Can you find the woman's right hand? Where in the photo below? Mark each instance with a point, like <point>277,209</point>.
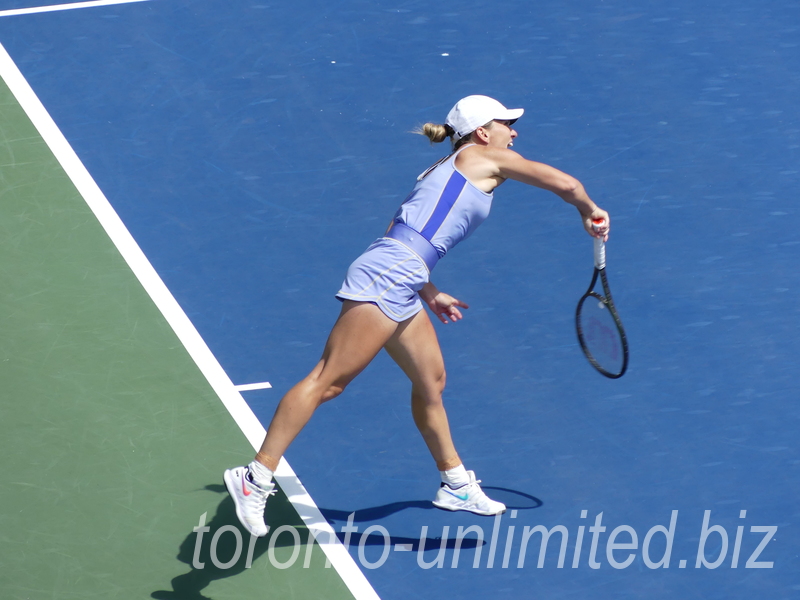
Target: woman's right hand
<point>589,220</point>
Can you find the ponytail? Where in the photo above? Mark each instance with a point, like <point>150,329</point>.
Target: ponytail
<point>435,133</point>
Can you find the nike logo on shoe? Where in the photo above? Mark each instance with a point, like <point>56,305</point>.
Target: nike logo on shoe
<point>464,498</point>
<point>245,491</point>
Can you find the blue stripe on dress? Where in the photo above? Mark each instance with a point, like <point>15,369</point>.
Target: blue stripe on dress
<point>446,201</point>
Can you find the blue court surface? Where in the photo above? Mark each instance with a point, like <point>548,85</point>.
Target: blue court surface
<point>255,149</point>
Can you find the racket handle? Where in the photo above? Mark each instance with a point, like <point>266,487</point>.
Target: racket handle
<point>599,246</point>
<point>599,254</point>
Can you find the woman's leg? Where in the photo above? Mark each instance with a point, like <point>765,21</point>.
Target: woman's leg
<point>415,348</point>
<point>358,335</point>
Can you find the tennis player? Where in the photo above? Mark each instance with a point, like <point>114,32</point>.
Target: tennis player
<point>384,290</point>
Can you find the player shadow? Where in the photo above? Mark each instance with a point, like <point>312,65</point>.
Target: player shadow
<point>513,499</point>
<point>202,569</point>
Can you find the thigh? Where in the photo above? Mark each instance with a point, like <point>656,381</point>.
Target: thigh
<point>415,348</point>
<point>358,335</point>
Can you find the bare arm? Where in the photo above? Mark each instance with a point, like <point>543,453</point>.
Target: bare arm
<point>514,166</point>
<point>489,167</point>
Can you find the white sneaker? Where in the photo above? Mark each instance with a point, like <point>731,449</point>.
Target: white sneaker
<point>249,499</point>
<point>468,497</point>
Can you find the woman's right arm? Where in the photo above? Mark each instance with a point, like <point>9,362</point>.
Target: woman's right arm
<point>511,165</point>
<point>500,164</point>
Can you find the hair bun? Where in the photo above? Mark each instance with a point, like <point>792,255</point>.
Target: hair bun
<point>436,133</point>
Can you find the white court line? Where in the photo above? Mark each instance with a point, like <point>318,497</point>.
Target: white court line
<point>305,506</point>
<point>56,7</point>
<point>253,386</point>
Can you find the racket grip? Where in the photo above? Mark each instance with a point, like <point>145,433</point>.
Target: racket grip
<point>599,254</point>
<point>599,246</point>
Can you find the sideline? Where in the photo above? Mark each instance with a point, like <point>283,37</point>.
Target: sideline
<point>285,476</point>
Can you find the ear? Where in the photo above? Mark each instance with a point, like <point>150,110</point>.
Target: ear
<point>482,134</point>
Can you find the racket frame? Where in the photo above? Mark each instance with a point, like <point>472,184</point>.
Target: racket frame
<point>608,301</point>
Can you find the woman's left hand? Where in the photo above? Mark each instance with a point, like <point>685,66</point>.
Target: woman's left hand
<point>445,307</point>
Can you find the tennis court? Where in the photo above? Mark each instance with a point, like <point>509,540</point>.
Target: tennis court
<point>182,187</point>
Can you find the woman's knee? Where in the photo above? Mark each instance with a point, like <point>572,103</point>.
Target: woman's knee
<point>440,382</point>
<point>430,392</point>
<point>318,389</point>
<point>439,378</point>
<point>331,392</point>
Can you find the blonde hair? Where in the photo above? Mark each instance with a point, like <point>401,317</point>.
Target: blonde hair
<point>438,133</point>
<point>434,132</point>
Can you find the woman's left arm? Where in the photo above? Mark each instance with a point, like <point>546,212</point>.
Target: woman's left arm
<point>443,305</point>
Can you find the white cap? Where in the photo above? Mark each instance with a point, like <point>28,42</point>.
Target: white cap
<point>475,111</point>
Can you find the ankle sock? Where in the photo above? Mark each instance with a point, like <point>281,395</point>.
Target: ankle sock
<point>260,475</point>
<point>456,477</point>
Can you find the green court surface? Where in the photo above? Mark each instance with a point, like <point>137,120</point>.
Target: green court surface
<point>112,441</point>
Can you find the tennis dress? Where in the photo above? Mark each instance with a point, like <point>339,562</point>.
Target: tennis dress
<point>442,209</point>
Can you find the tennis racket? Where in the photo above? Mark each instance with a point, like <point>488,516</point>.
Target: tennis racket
<point>600,330</point>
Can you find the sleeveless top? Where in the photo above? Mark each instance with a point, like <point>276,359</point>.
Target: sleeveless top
<point>444,206</point>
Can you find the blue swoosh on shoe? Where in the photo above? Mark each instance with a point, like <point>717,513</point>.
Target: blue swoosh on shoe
<point>463,498</point>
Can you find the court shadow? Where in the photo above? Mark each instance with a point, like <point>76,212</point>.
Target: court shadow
<point>198,555</point>
<point>374,513</point>
<point>513,499</point>
<point>205,566</point>
<point>412,544</point>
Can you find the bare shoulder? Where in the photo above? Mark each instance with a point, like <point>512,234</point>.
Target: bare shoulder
<point>485,161</point>
<point>488,167</point>
<point>484,166</point>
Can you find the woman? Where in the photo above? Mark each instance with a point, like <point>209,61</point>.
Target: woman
<point>381,301</point>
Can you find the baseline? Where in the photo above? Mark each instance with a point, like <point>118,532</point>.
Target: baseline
<point>58,7</point>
